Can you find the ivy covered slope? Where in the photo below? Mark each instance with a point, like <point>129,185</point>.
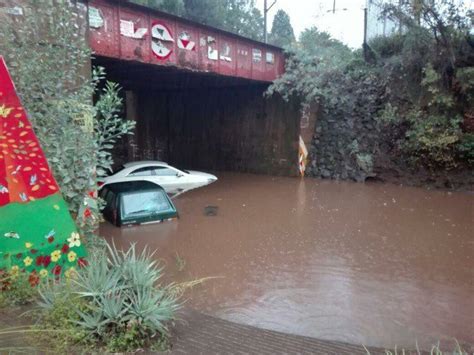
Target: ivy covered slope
<point>402,109</point>
<point>37,233</point>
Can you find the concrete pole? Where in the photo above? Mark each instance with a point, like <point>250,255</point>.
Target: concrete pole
<point>365,25</point>
<point>266,8</point>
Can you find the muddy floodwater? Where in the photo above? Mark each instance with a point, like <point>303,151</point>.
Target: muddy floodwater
<point>373,264</point>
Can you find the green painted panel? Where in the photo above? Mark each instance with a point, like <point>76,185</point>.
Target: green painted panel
<point>40,237</point>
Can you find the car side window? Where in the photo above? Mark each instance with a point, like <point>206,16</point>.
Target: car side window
<point>164,171</point>
<point>146,171</point>
<point>110,199</point>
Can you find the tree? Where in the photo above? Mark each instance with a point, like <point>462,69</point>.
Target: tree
<point>321,44</point>
<point>175,7</point>
<point>243,18</point>
<point>208,12</point>
<point>282,33</point>
<point>237,16</point>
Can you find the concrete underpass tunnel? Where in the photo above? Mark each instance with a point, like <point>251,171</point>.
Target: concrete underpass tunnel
<point>205,121</point>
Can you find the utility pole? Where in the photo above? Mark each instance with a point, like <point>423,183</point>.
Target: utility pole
<point>364,45</point>
<point>365,25</point>
<point>334,9</point>
<point>265,11</point>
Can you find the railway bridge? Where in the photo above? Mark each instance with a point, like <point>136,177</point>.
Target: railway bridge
<point>195,92</point>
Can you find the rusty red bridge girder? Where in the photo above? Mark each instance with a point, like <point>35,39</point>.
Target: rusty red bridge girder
<point>135,33</point>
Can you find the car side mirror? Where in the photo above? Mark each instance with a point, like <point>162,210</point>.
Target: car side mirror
<point>179,175</point>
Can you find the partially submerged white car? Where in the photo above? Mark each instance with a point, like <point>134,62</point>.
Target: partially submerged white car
<point>174,181</point>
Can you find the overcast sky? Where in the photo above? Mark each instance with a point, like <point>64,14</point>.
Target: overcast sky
<point>345,24</point>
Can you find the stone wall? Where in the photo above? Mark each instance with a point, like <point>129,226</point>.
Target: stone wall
<point>344,146</point>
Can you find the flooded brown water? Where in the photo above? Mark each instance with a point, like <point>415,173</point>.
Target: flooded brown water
<point>373,264</point>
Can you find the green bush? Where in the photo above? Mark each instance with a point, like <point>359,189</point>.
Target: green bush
<point>465,148</point>
<point>387,46</point>
<point>116,303</point>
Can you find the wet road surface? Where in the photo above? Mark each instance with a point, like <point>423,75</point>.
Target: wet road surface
<point>374,264</point>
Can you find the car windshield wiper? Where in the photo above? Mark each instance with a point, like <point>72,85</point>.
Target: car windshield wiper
<point>137,212</point>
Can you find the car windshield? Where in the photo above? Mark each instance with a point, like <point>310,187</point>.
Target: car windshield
<point>136,204</point>
<point>183,170</point>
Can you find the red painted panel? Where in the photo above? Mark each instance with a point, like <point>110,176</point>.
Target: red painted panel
<point>270,71</point>
<point>258,63</point>
<point>103,34</point>
<point>134,35</point>
<point>209,51</point>
<point>187,43</point>
<point>244,60</point>
<point>227,56</point>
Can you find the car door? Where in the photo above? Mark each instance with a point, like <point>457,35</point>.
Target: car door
<point>169,178</point>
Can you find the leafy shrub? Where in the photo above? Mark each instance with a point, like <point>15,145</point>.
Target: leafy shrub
<point>115,303</point>
<point>387,46</point>
<point>465,148</point>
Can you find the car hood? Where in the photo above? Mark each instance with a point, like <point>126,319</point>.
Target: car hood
<point>201,174</point>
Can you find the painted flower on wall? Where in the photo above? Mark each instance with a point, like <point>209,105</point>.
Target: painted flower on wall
<point>71,256</point>
<point>65,249</point>
<point>56,270</point>
<point>55,256</point>
<point>46,260</point>
<point>5,111</point>
<point>74,240</point>
<point>28,261</point>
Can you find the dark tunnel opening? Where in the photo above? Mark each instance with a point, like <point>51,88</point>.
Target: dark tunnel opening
<point>204,121</point>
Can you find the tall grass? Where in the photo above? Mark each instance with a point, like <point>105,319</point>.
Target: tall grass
<point>435,350</point>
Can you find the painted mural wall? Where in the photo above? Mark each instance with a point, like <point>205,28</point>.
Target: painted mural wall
<point>37,234</point>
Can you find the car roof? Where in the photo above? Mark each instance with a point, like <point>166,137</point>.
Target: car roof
<point>133,186</point>
<point>144,162</point>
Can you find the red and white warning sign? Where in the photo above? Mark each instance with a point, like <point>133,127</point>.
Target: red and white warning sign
<point>161,40</point>
<point>185,42</point>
